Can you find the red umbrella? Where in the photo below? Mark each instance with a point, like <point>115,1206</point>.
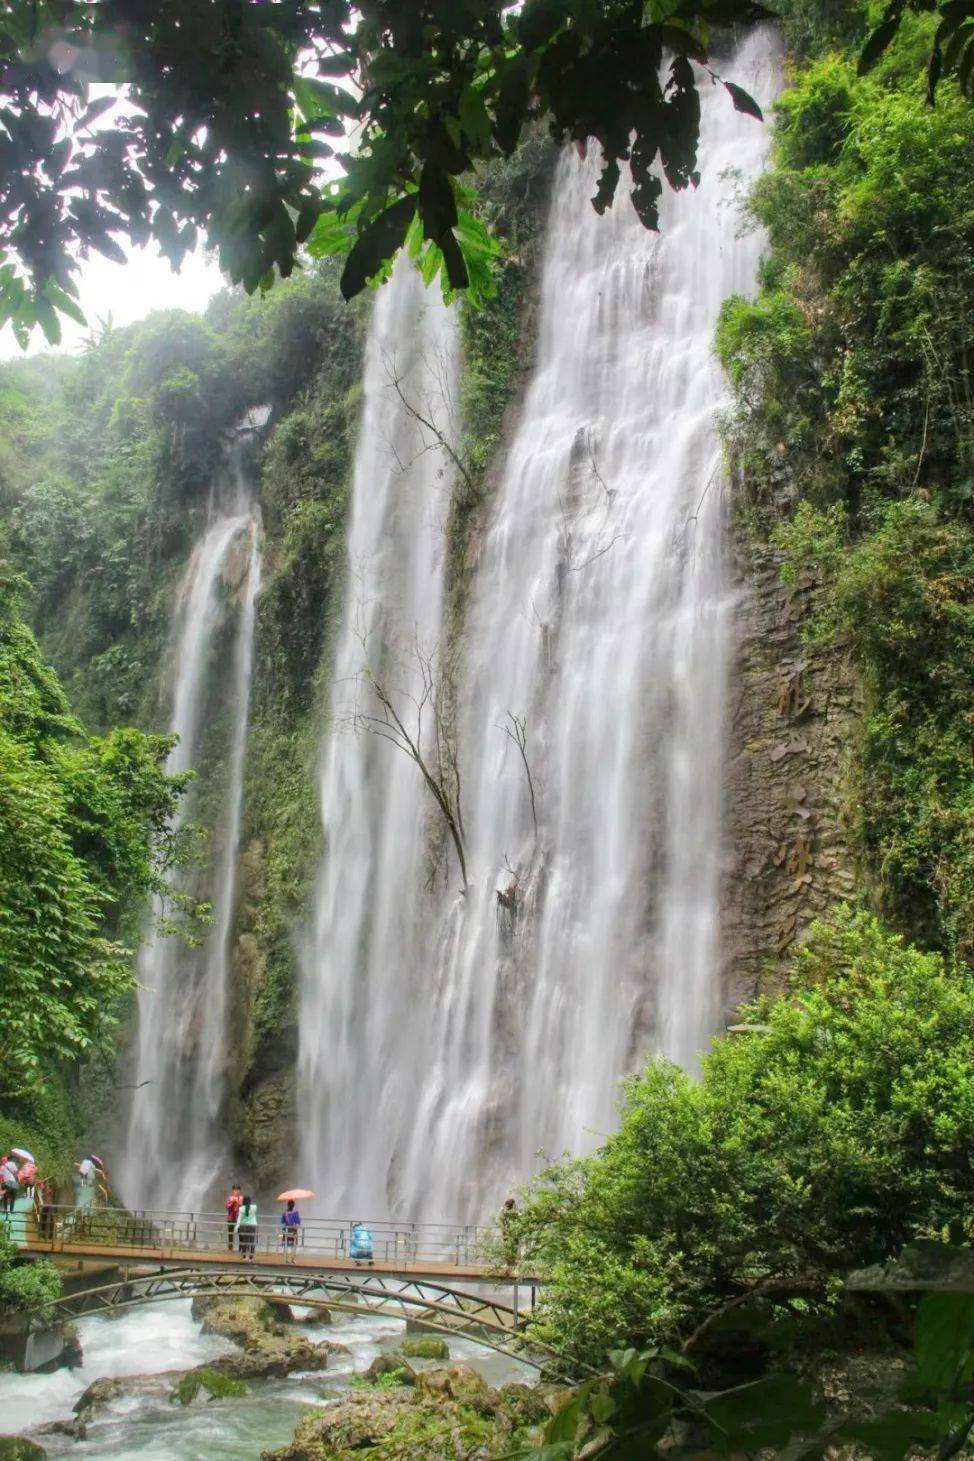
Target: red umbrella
<point>295,1194</point>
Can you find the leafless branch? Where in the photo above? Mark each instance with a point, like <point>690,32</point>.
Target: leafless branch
<point>598,553</point>
<point>603,546</point>
<point>516,731</point>
<point>610,492</point>
<point>425,419</point>
<point>416,723</point>
<point>703,496</point>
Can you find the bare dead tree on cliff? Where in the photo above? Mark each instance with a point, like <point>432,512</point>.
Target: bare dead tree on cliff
<point>516,731</point>
<point>418,724</point>
<point>423,411</point>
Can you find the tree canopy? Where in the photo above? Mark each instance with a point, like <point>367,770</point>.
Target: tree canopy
<point>232,106</point>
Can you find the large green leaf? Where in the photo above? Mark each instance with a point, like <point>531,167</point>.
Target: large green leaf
<point>945,1340</point>
<point>376,244</point>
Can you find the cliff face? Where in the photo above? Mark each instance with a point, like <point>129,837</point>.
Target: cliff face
<point>793,718</point>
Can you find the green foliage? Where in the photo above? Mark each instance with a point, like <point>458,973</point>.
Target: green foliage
<point>902,599</point>
<point>828,1137</point>
<point>110,468</point>
<point>648,1404</point>
<point>951,47</point>
<point>227,122</point>
<point>29,1287</point>
<point>44,1122</point>
<point>304,493</point>
<point>851,367</point>
<point>422,1431</point>
<point>84,826</point>
<point>387,1380</point>
<point>636,1407</point>
<point>217,1386</point>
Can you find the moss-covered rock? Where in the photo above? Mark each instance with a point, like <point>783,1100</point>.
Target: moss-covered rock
<point>215,1384</point>
<point>99,1394</point>
<point>267,1347</point>
<point>425,1347</point>
<point>460,1384</point>
<point>241,1320</point>
<point>530,1405</point>
<point>394,1365</point>
<point>449,1415</point>
<point>16,1448</point>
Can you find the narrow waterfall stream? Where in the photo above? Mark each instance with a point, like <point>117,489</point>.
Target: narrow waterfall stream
<point>438,1061</point>
<point>175,1142</point>
<point>362,1002</point>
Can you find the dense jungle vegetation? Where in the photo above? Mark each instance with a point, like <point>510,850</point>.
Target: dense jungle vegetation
<point>86,834</point>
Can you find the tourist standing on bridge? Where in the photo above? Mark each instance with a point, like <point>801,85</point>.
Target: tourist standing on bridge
<point>27,1176</point>
<point>233,1207</point>
<point>509,1233</point>
<point>290,1223</point>
<point>9,1185</point>
<point>247,1229</point>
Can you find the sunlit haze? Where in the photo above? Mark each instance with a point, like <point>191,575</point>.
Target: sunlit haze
<point>127,292</point>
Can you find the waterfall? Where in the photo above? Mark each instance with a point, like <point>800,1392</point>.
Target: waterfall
<point>437,1064</point>
<point>175,1142</point>
<point>364,967</point>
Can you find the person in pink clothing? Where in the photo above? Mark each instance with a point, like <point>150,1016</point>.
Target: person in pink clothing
<point>27,1176</point>
<point>233,1208</point>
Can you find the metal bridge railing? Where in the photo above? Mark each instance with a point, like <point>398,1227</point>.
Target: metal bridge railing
<point>404,1244</point>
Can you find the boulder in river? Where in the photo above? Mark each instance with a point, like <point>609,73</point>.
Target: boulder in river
<point>425,1347</point>
<point>460,1384</point>
<point>99,1396</point>
<point>17,1448</point>
<point>449,1414</point>
<point>267,1347</point>
<point>390,1363</point>
<point>214,1384</point>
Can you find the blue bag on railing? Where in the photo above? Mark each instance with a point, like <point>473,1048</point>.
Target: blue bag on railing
<point>361,1242</point>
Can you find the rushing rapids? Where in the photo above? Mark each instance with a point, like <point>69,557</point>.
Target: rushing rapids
<point>444,1042</point>
<point>175,1139</point>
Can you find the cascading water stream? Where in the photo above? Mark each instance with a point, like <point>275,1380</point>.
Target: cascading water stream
<point>591,738</point>
<point>370,924</point>
<point>174,1140</point>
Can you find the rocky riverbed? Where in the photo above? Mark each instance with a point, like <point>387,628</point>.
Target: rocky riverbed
<point>235,1378</point>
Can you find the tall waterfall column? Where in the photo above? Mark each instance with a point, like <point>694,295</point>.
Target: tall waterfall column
<point>364,1003</point>
<point>176,1144</point>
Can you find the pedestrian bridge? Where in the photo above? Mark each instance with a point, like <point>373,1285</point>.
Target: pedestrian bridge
<point>433,1306</point>
<point>449,1278</point>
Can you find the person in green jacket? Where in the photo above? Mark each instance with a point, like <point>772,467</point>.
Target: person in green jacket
<point>247,1229</point>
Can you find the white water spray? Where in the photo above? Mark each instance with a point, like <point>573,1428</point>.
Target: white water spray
<point>175,1142</point>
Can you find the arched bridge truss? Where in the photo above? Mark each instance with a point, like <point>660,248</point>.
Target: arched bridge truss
<point>445,1310</point>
